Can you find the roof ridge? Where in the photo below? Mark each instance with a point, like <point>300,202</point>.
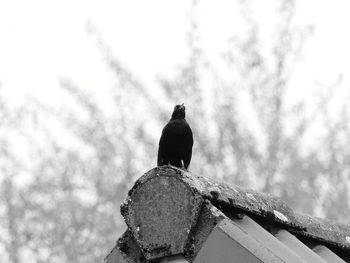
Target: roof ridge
<point>270,211</point>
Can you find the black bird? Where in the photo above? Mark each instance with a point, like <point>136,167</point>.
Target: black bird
<point>176,141</point>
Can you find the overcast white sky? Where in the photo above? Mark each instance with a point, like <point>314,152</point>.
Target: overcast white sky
<point>41,40</point>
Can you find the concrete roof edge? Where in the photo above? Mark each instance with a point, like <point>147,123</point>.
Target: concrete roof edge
<point>325,231</point>
<point>126,248</point>
<point>151,212</point>
<point>249,201</point>
<point>260,205</point>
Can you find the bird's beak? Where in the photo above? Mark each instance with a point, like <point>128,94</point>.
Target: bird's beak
<point>182,105</point>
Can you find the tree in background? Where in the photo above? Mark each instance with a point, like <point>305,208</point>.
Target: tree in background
<point>245,133</point>
<point>12,209</point>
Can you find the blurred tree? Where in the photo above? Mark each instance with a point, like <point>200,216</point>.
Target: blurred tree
<point>11,206</point>
<point>268,154</point>
<point>11,209</point>
<point>245,132</point>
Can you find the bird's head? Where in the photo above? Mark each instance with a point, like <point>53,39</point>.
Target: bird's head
<point>179,112</point>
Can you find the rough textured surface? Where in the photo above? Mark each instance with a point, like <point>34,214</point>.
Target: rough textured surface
<point>126,250</point>
<point>174,259</point>
<point>325,231</point>
<point>251,202</point>
<point>232,197</point>
<point>165,213</point>
<point>209,217</point>
<point>160,212</point>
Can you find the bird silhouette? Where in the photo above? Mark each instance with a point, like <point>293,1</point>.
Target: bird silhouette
<point>176,141</point>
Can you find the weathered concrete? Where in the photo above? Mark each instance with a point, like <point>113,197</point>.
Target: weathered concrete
<point>125,251</point>
<point>237,240</point>
<point>170,211</point>
<point>163,206</point>
<point>235,199</point>
<point>209,217</point>
<point>160,211</point>
<point>323,231</point>
<point>174,259</point>
<point>326,230</point>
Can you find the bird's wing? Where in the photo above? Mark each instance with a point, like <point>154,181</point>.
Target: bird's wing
<point>160,159</point>
<point>188,152</point>
<point>187,157</point>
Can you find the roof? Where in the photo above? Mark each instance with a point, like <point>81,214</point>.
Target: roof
<point>176,216</point>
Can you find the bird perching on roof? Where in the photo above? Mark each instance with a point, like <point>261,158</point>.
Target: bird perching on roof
<point>176,141</point>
